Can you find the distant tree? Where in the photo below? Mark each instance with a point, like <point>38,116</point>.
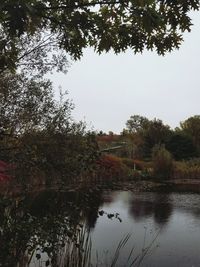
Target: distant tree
<point>101,133</point>
<point>191,127</point>
<point>145,134</point>
<point>181,146</point>
<point>134,144</point>
<point>133,134</point>
<point>136,123</point>
<point>156,133</point>
<point>103,24</point>
<point>110,133</point>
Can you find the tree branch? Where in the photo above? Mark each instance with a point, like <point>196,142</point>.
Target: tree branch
<point>42,44</point>
<point>92,4</point>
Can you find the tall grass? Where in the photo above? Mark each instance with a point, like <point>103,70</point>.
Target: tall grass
<point>187,169</point>
<point>80,256</point>
<point>76,253</point>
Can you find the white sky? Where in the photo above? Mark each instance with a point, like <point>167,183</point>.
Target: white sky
<point>108,89</point>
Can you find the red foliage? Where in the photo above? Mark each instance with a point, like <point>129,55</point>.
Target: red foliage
<point>139,164</point>
<point>4,168</point>
<point>108,138</point>
<point>135,164</point>
<point>111,167</point>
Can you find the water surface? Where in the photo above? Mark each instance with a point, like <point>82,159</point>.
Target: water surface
<point>165,225</point>
<point>171,221</point>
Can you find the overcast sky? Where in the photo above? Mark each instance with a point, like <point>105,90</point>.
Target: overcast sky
<point>108,89</point>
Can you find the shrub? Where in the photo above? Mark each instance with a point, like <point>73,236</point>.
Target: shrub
<point>136,164</point>
<point>129,163</point>
<point>111,167</point>
<point>187,169</point>
<point>162,162</point>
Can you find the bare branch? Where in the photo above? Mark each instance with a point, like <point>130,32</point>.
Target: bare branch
<point>40,45</point>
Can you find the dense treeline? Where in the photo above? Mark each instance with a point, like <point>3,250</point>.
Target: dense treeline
<point>141,135</point>
<point>153,148</point>
<point>182,143</point>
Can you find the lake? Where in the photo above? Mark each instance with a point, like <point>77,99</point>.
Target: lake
<point>162,228</point>
<point>170,221</point>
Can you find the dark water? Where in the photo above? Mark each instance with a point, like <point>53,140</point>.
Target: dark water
<point>164,226</point>
<point>171,221</point>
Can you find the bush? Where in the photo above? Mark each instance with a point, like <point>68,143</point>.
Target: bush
<point>187,169</point>
<point>129,163</point>
<point>136,164</point>
<point>162,162</point>
<point>111,167</point>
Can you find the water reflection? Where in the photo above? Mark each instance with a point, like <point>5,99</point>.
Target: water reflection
<point>45,223</point>
<point>147,205</point>
<point>162,209</point>
<point>140,209</point>
<point>174,215</point>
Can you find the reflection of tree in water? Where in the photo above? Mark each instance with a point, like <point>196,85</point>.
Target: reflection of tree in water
<point>94,201</point>
<point>44,221</point>
<point>162,209</point>
<point>159,207</point>
<point>140,209</point>
<point>90,211</point>
<point>194,210</point>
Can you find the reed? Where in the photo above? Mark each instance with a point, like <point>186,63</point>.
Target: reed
<point>73,255</point>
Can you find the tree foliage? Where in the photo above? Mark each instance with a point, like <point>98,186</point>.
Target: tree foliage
<point>145,133</point>
<point>136,123</point>
<point>101,24</point>
<point>38,134</point>
<point>191,127</point>
<point>182,143</point>
<point>156,133</point>
<point>181,146</point>
<point>44,226</point>
<point>28,104</point>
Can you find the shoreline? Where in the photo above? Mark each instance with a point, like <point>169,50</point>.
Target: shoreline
<point>151,185</point>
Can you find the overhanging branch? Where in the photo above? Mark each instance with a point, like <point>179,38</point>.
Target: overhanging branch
<point>91,4</point>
